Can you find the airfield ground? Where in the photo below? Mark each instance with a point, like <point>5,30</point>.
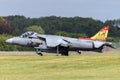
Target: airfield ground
<point>88,66</point>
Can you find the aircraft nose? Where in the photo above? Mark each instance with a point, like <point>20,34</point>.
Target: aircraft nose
<point>9,41</point>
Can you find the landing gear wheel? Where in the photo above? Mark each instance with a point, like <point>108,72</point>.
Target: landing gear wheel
<point>65,53</point>
<point>40,54</point>
<point>79,52</point>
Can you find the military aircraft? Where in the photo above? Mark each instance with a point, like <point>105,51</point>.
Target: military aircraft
<point>61,44</point>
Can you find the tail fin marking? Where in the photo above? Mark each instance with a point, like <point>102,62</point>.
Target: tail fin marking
<point>102,34</point>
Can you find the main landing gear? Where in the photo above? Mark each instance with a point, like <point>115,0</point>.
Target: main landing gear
<point>64,51</point>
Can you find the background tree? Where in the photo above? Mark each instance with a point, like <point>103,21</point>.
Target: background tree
<point>35,28</point>
<point>5,26</point>
<point>74,35</point>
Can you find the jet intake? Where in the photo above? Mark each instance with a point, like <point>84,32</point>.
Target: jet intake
<point>38,42</point>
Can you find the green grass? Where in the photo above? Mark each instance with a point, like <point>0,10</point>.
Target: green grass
<point>90,66</point>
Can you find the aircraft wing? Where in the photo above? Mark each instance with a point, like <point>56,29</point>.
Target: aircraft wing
<point>53,41</point>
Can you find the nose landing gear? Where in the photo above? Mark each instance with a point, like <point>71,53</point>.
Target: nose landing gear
<point>39,52</point>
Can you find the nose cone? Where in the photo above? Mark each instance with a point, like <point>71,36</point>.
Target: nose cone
<point>10,41</point>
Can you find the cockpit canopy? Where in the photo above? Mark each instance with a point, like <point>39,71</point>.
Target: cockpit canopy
<point>29,34</point>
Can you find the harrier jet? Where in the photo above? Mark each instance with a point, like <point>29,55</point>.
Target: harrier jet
<point>60,44</point>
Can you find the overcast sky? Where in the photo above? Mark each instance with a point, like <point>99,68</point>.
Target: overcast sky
<point>97,9</point>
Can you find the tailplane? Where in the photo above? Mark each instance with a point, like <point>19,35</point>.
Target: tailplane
<point>101,35</point>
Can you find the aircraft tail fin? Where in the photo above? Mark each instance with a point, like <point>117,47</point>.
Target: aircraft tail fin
<point>102,34</point>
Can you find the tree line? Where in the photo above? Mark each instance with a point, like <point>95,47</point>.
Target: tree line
<point>53,25</point>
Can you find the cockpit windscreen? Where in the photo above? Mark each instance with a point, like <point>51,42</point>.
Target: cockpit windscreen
<point>28,34</point>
